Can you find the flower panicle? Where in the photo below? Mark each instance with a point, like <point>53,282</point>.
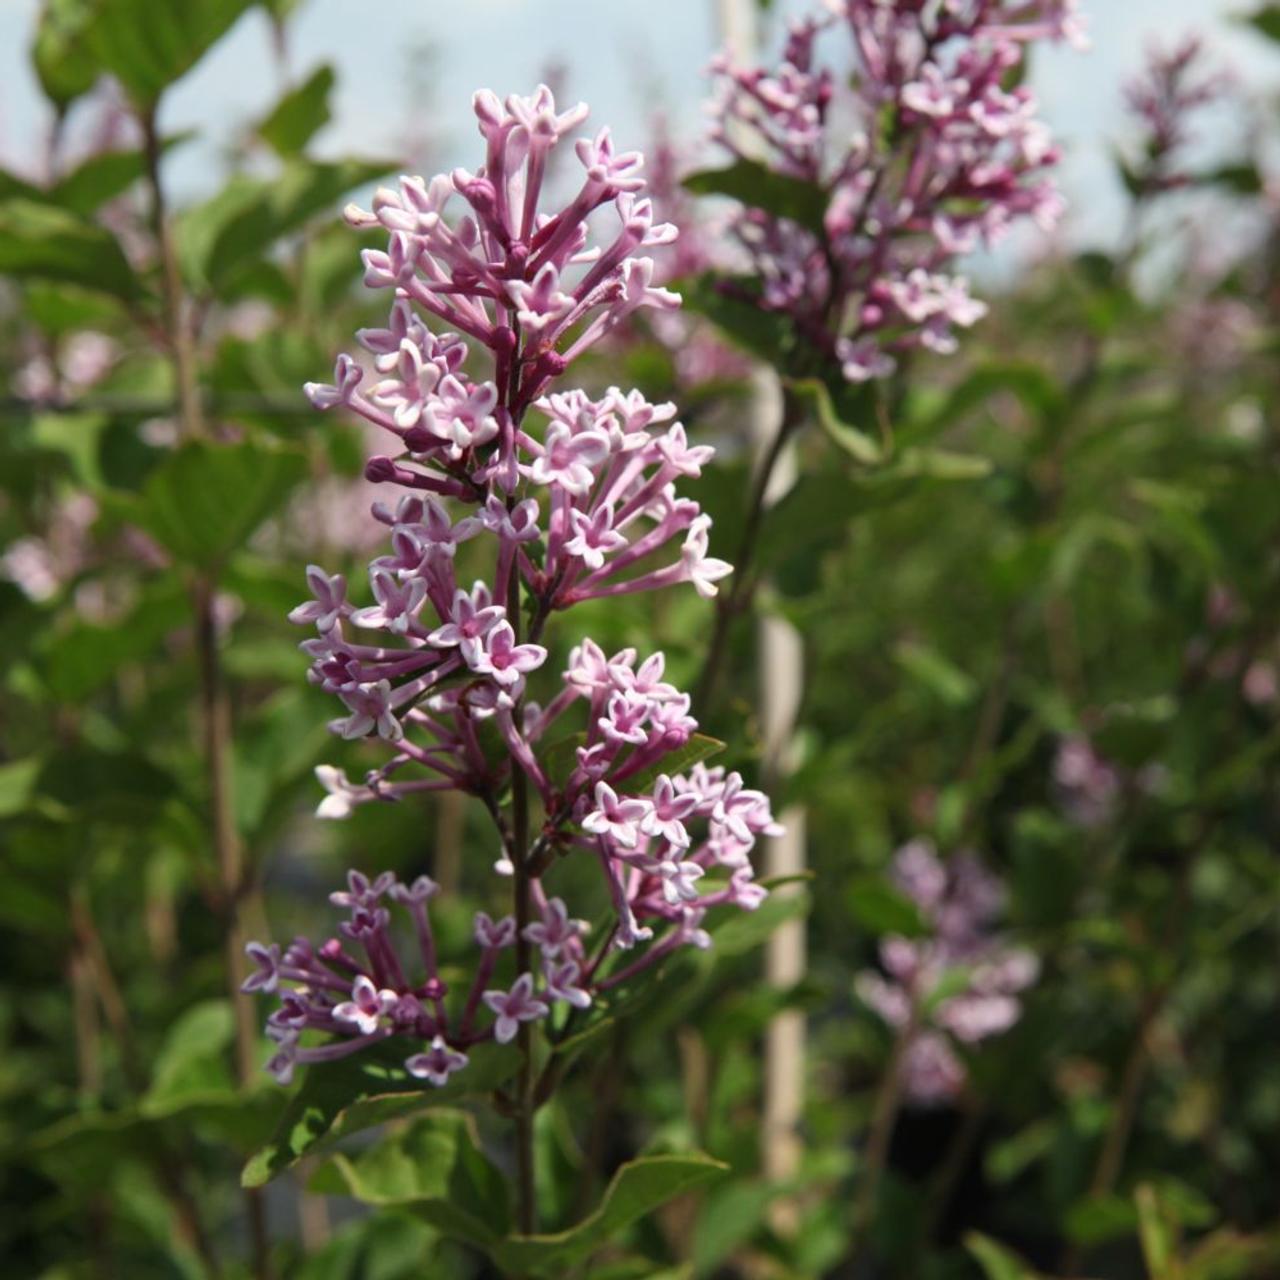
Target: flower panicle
<point>945,153</point>
<point>960,983</point>
<point>565,499</point>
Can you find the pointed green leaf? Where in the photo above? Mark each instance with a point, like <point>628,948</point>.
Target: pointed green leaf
<point>1157,1235</point>
<point>433,1167</point>
<point>367,1089</point>
<point>193,1059</point>
<point>733,306</point>
<point>1266,20</point>
<point>13,187</point>
<point>760,187</point>
<point>844,435</point>
<point>78,662</point>
<point>237,227</point>
<point>997,1262</point>
<point>636,1190</point>
<point>880,908</point>
<point>738,932</point>
<point>699,747</point>
<point>42,242</point>
<point>17,783</point>
<point>104,176</point>
<point>300,114</point>
<point>148,46</point>
<point>937,673</point>
<point>204,501</point>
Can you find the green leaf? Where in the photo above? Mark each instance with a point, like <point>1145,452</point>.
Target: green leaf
<point>309,187</point>
<point>42,242</point>
<point>1096,1219</point>
<point>760,187</point>
<point>236,224</point>
<point>234,229</point>
<point>997,1262</point>
<point>104,176</point>
<point>63,63</point>
<point>278,747</point>
<point>846,437</point>
<point>1027,383</point>
<point>1242,178</point>
<point>17,784</point>
<point>75,1150</point>
<point>60,309</point>
<point>880,908</point>
<point>13,187</point>
<point>300,114</point>
<point>1157,1236</point>
<point>732,1214</point>
<point>78,662</point>
<point>370,1088</point>
<point>700,747</point>
<point>192,1061</point>
<point>637,1189</point>
<point>732,305</point>
<point>956,688</point>
<point>738,932</point>
<point>147,46</point>
<point>933,464</point>
<point>204,501</point>
<point>433,1167</point>
<point>120,787</point>
<point>1266,20</point>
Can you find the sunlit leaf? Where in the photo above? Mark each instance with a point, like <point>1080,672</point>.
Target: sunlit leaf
<point>997,1261</point>
<point>433,1167</point>
<point>204,500</point>
<point>300,114</point>
<point>147,46</point>
<point>637,1189</point>
<point>367,1089</point>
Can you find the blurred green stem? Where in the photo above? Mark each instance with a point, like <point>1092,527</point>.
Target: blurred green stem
<point>731,602</point>
<point>168,1166</point>
<point>884,1115</point>
<point>215,704</point>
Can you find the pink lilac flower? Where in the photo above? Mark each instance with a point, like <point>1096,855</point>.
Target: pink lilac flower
<point>915,160</point>
<point>959,983</point>
<point>1088,786</point>
<point>1173,86</point>
<point>565,499</point>
<point>514,1007</point>
<point>437,1064</point>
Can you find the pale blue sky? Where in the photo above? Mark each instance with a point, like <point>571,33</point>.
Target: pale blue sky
<point>623,58</point>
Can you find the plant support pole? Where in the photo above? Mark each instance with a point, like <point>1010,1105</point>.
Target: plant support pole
<point>781,673</point>
<point>780,652</point>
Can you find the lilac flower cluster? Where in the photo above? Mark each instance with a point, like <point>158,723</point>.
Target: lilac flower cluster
<point>581,506</point>
<point>1089,788</point>
<point>1173,86</point>
<point>922,158</point>
<point>961,983</point>
<point>360,997</point>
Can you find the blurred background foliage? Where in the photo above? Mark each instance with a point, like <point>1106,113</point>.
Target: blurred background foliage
<point>1068,541</point>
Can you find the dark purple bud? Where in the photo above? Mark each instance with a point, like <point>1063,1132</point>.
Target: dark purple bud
<point>419,440</point>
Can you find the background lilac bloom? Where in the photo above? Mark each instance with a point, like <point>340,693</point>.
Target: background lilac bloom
<point>917,160</point>
<point>960,983</point>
